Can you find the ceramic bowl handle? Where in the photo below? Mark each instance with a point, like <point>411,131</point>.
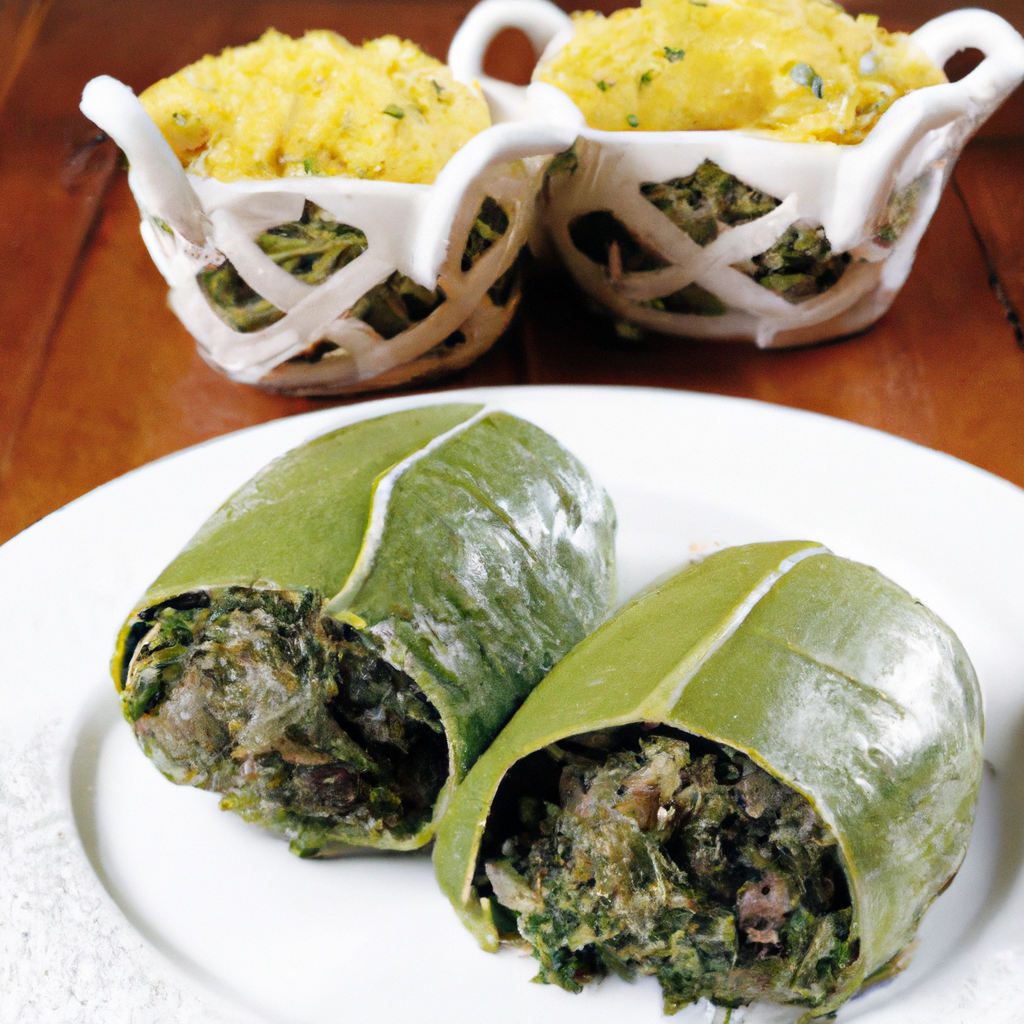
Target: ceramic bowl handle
<point>1003,67</point>
<point>867,176</point>
<point>540,20</point>
<point>116,109</point>
<point>501,143</point>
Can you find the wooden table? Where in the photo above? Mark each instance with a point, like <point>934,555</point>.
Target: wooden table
<point>98,377</point>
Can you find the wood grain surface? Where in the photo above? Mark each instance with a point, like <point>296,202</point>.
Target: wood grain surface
<point>98,377</point>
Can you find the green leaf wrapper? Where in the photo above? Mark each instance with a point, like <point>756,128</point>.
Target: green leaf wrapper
<point>340,641</point>
<point>821,672</point>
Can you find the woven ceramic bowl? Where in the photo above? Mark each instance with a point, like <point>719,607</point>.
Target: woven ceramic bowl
<point>612,203</point>
<point>428,278</point>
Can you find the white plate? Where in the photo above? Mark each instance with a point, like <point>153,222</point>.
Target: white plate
<point>126,899</point>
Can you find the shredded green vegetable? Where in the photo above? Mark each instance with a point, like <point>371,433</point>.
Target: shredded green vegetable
<point>700,201</point>
<point>311,249</point>
<point>562,165</point>
<point>603,238</point>
<point>316,246</point>
<point>251,694</point>
<point>490,224</point>
<point>799,266</point>
<point>643,852</point>
<point>900,210</point>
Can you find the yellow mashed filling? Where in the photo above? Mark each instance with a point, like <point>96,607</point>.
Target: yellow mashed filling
<point>798,70</point>
<point>282,107</point>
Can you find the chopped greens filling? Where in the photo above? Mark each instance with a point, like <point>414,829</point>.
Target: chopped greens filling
<point>697,203</point>
<point>566,162</point>
<point>396,304</point>
<point>563,164</point>
<point>645,853</point>
<point>900,210</point>
<point>314,247</point>
<point>301,728</point>
<point>311,249</point>
<point>604,239</point>
<point>509,284</point>
<point>489,224</point>
<point>692,299</point>
<point>799,266</point>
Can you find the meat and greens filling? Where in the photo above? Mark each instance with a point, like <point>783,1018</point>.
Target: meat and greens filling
<point>252,694</point>
<point>642,852</point>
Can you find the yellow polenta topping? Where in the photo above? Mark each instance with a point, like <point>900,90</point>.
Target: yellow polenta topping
<point>799,70</point>
<point>282,107</point>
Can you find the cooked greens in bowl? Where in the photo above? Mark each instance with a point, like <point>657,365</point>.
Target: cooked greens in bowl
<point>757,170</point>
<point>330,218</point>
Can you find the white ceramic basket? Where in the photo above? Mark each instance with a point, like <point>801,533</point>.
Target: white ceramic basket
<point>192,224</point>
<point>873,200</point>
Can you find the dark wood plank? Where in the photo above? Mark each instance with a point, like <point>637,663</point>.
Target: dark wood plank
<point>989,180</point>
<point>20,22</point>
<point>45,224</point>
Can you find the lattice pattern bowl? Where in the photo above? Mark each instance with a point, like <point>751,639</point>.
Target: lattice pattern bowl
<point>813,239</point>
<point>419,279</point>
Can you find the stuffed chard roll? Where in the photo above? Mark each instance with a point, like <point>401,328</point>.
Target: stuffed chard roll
<point>340,641</point>
<point>751,783</point>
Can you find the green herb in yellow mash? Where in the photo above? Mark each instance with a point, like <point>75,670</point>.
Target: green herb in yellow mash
<point>799,70</point>
<point>282,107</point>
